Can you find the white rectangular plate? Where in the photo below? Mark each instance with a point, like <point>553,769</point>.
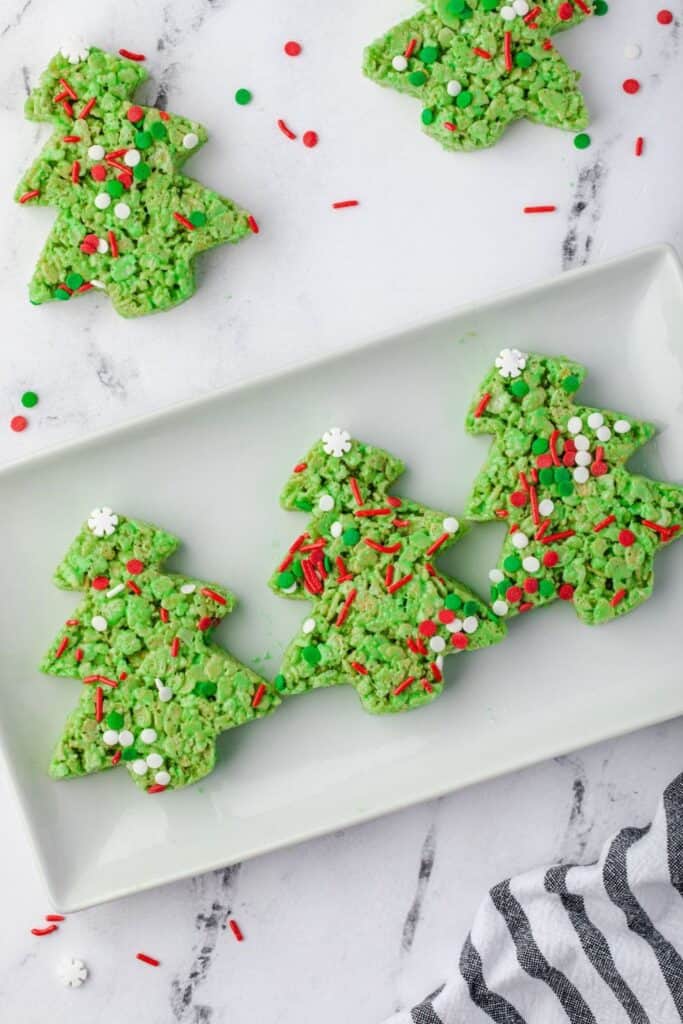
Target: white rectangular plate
<point>211,473</point>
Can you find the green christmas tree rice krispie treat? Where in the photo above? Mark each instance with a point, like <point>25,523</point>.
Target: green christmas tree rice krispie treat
<point>383,617</point>
<point>157,691</point>
<point>129,222</point>
<point>581,527</point>
<point>478,65</point>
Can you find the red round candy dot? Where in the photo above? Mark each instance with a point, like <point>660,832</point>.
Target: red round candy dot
<point>310,139</point>
<point>89,244</point>
<point>126,178</point>
<point>460,640</point>
<point>100,583</point>
<point>98,172</point>
<point>427,628</point>
<point>550,559</point>
<point>514,594</point>
<point>664,17</point>
<point>446,616</point>
<point>530,586</point>
<point>518,499</point>
<point>134,566</point>
<point>599,468</point>
<point>627,538</point>
<point>18,423</point>
<point>292,48</point>
<point>565,12</point>
<point>565,591</point>
<point>135,114</point>
<point>631,85</point>
<point>569,458</point>
<point>544,461</point>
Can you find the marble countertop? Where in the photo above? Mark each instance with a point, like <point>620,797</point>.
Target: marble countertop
<point>357,924</point>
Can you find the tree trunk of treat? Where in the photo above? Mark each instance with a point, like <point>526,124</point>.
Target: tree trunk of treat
<point>477,67</point>
<point>580,526</point>
<point>156,690</point>
<point>383,616</point>
<point>129,222</point>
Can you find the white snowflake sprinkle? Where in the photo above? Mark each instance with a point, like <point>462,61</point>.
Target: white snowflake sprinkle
<point>102,522</point>
<point>336,442</point>
<point>72,973</point>
<point>75,50</point>
<point>511,361</point>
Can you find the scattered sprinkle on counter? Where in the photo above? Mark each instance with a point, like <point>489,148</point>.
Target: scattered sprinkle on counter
<point>243,97</point>
<point>29,399</point>
<point>18,424</point>
<point>292,48</point>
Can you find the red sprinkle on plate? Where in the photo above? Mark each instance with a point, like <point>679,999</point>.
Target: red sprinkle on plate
<point>18,423</point>
<point>631,86</point>
<point>130,55</point>
<point>152,961</point>
<point>344,204</point>
<point>664,17</point>
<point>539,209</point>
<point>292,48</point>
<point>310,139</point>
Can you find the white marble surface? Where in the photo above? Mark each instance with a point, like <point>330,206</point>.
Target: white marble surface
<point>349,927</point>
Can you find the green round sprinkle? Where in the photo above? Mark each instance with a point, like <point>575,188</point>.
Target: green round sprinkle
<point>523,60</point>
<point>546,588</point>
<point>158,129</point>
<point>600,7</point>
<point>205,689</point>
<point>512,563</point>
<point>453,602</point>
<point>428,54</point>
<point>29,399</point>
<point>489,5</point>
<point>114,188</point>
<point>427,116</point>
<point>141,172</point>
<point>143,140</point>
<point>280,683</point>
<point>519,389</point>
<point>540,446</point>
<point>463,99</point>
<point>561,473</point>
<point>571,384</point>
<point>243,96</point>
<point>286,580</point>
<point>304,504</point>
<point>297,569</point>
<point>197,218</point>
<point>456,6</point>
<point>61,294</point>
<point>494,592</point>
<point>417,78</point>
<point>582,140</point>
<point>351,536</point>
<point>471,608</point>
<point>74,280</point>
<point>503,587</point>
<point>311,655</point>
<point>546,476</point>
<point>129,754</point>
<point>565,488</point>
<point>115,719</point>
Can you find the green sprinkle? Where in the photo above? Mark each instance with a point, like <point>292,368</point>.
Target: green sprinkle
<point>158,130</point>
<point>297,569</point>
<point>115,719</point>
<point>197,218</point>
<point>29,399</point>
<point>489,5</point>
<point>565,488</point>
<point>141,172</point>
<point>546,588</point>
<point>503,588</point>
<point>523,60</point>
<point>471,608</point>
<point>205,689</point>
<point>311,655</point>
<point>519,389</point>
<point>114,188</point>
<point>143,140</point>
<point>540,446</point>
<point>417,78</point>
<point>561,473</point>
<point>463,99</point>
<point>546,476</point>
<point>455,6</point>
<point>582,141</point>
<point>453,602</point>
<point>61,294</point>
<point>600,7</point>
<point>351,536</point>
<point>129,754</point>
<point>512,564</point>
<point>286,580</point>
<point>74,280</point>
<point>428,54</point>
<point>243,96</point>
<point>571,384</point>
<point>493,592</point>
<point>427,116</point>
<point>280,683</point>
<point>304,504</point>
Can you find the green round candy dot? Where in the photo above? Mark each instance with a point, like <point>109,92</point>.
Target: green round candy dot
<point>519,388</point>
<point>565,488</point>
<point>280,683</point>
<point>503,588</point>
<point>600,7</point>
<point>74,280</point>
<point>523,60</point>
<point>297,569</point>
<point>61,294</point>
<point>512,563</point>
<point>493,592</point>
<point>582,140</point>
<point>286,580</point>
<point>197,218</point>
<point>351,536</point>
<point>428,54</point>
<point>311,655</point>
<point>417,78</point>
<point>114,188</point>
<point>546,588</point>
<point>158,129</point>
<point>243,96</point>
<point>427,116</point>
<point>561,473</point>
<point>571,384</point>
<point>129,754</point>
<point>455,6</point>
<point>471,608</point>
<point>141,172</point>
<point>114,719</point>
<point>143,140</point>
<point>540,446</point>
<point>206,689</point>
<point>453,602</point>
<point>546,476</point>
<point>29,399</point>
<point>463,99</point>
<point>489,5</point>
<point>304,504</point>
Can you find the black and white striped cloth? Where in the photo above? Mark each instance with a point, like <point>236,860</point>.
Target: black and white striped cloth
<point>594,944</point>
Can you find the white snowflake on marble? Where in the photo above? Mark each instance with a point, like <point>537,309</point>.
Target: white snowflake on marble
<point>511,362</point>
<point>102,522</point>
<point>72,972</point>
<point>75,50</point>
<point>336,442</point>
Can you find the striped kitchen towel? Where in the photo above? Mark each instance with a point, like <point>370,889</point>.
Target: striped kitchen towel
<point>594,944</point>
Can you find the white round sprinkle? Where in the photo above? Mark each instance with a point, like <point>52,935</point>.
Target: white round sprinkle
<point>148,735</point>
<point>622,427</point>
<point>122,211</point>
<point>326,503</point>
<point>139,767</point>
<point>500,607</point>
<point>546,507</point>
<point>582,443</point>
<point>603,433</point>
<point>154,760</point>
<point>190,140</point>
<point>519,540</point>
<point>110,737</point>
<point>595,420</point>
<point>289,590</point>
<point>336,529</point>
<point>581,474</point>
<point>451,524</point>
<point>520,7</point>
<point>165,694</point>
<point>308,626</point>
<point>455,626</point>
<point>574,425</point>
<point>95,283</point>
<point>162,778</point>
<point>188,588</point>
<point>496,576</point>
<point>583,458</point>
<point>399,63</point>
<point>102,200</point>
<point>132,158</point>
<point>437,644</point>
<point>507,13</point>
<point>470,624</point>
<point>126,738</point>
<point>96,152</point>
<point>632,51</point>
<point>454,87</point>
<point>99,623</point>
<point>531,564</point>
<point>102,246</point>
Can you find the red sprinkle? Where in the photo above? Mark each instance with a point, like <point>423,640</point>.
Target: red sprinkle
<point>205,623</point>
<point>99,704</point>
<point>131,56</point>
<point>481,405</point>
<point>557,536</point>
<point>416,646</point>
<point>565,11</point>
<point>550,558</point>
<point>627,538</point>
<point>460,640</point>
<point>518,499</point>
<point>67,89</point>
<point>344,204</point>
<point>450,126</point>
<point>253,225</point>
<point>184,221</point>
<point>310,139</point>
<point>164,115</point>
<point>135,114</point>
<point>132,585</point>
<point>78,654</point>
<point>530,15</point>
<point>385,549</point>
<point>89,245</point>
<point>539,209</point>
<point>514,594</point>
<point>552,442</point>
<point>63,644</point>
<point>175,646</point>
<point>437,543</point>
<point>534,505</point>
<point>285,130</point>
<point>618,598</point>
<point>117,757</point>
<point>530,585</point>
<point>404,685</point>
<point>156,788</point>
<point>664,17</point>
<point>98,172</point>
<point>631,86</point>
<point>87,108</point>
<point>218,598</point>
<point>29,195</point>
<point>258,696</point>
<point>547,44</point>
<point>565,591</point>
<point>55,917</point>
<point>100,583</point>
<point>300,467</point>
<point>638,150</point>
<point>481,53</point>
<point>134,566</point>
<point>152,961</point>
<point>393,501</point>
<point>18,423</point>
<point>344,611</point>
<point>410,48</point>
<point>355,490</point>
<point>68,109</point>
<point>44,931</point>
<point>163,614</point>
<point>292,48</point>
<point>113,244</point>
<point>285,563</point>
<point>357,667</point>
<point>604,523</point>
<point>507,39</point>
<point>389,575</point>
<point>369,513</point>
<point>71,138</point>
<point>400,583</point>
<point>583,6</point>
